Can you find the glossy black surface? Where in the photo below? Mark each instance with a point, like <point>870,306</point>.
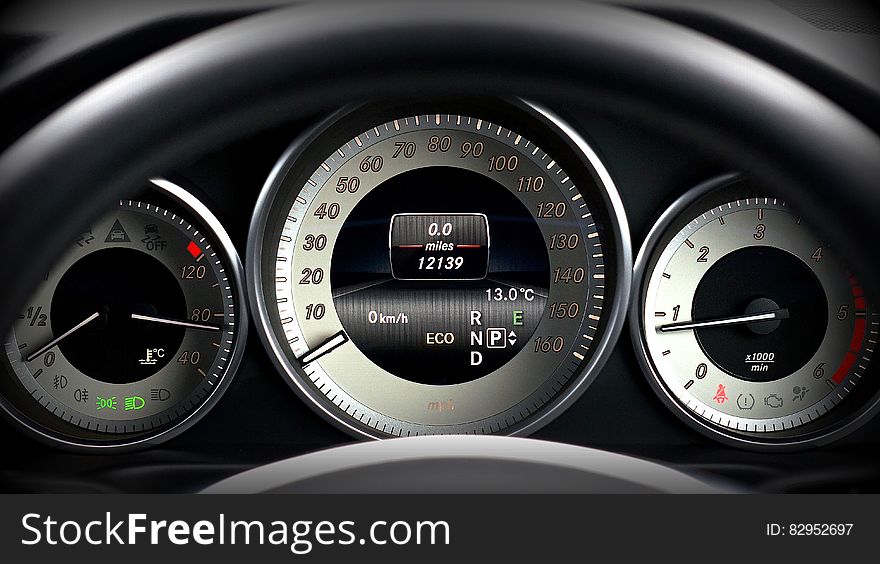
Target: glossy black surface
<point>117,283</point>
<point>745,277</point>
<point>260,420</point>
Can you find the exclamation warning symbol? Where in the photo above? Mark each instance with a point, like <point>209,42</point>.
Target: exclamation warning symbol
<point>117,234</point>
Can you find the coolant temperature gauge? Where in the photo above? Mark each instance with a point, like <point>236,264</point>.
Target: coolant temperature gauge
<point>134,330</point>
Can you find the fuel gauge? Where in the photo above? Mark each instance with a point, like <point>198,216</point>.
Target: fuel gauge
<point>134,331</point>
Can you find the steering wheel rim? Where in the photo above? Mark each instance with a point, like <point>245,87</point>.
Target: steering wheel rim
<point>465,464</point>
<point>292,62</point>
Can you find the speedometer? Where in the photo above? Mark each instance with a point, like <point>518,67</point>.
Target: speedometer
<point>421,273</point>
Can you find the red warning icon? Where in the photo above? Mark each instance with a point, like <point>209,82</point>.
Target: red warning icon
<point>720,395</point>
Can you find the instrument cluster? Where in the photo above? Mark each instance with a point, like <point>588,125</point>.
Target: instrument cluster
<point>446,268</point>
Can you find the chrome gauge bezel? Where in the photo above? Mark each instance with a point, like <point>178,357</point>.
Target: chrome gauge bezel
<point>65,436</point>
<point>302,157</point>
<point>854,410</point>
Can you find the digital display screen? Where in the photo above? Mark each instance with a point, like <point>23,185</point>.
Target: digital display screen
<point>426,246</point>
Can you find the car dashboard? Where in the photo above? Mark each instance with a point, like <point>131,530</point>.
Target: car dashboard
<point>442,264</point>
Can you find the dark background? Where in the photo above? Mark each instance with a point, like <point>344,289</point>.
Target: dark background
<point>260,419</point>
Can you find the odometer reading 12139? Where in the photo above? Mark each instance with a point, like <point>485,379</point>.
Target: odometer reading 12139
<point>436,273</point>
<point>450,247</point>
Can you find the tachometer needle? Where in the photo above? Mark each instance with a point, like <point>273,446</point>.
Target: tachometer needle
<point>725,321</point>
<point>165,321</point>
<point>327,346</point>
<point>63,336</point>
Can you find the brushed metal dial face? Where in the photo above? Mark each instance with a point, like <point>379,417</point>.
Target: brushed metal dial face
<point>752,323</point>
<point>437,273</point>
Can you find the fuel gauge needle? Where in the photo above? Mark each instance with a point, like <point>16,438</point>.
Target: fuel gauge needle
<point>63,336</point>
<point>325,347</point>
<point>166,321</point>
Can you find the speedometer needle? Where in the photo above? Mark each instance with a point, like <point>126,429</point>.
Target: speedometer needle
<point>724,321</point>
<point>327,346</point>
<point>165,321</point>
<point>63,336</point>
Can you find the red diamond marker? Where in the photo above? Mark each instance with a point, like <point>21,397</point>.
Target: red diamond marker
<point>194,249</point>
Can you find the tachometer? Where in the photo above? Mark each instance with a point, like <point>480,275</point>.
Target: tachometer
<point>750,325</point>
<point>135,332</point>
<point>439,272</point>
